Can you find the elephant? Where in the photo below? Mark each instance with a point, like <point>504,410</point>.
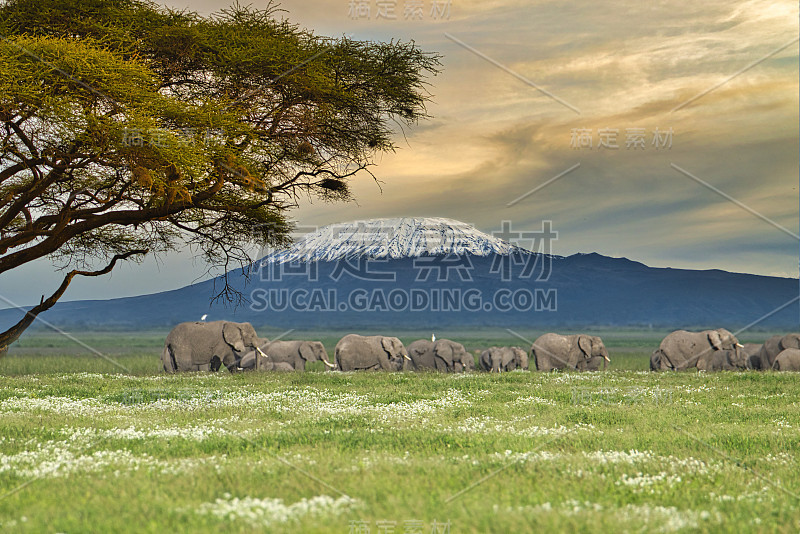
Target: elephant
<point>355,352</point>
<point>443,355</point>
<point>294,353</point>
<point>522,358</point>
<point>500,359</point>
<point>753,358</point>
<point>578,351</point>
<point>774,346</point>
<point>680,349</point>
<point>734,359</point>
<point>655,360</point>
<point>421,356</point>
<point>200,346</point>
<point>466,365</point>
<point>787,360</point>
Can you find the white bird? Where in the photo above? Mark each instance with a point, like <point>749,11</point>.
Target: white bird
<point>203,318</point>
<point>433,338</point>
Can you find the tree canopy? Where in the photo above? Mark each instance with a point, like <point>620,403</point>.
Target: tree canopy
<point>130,128</point>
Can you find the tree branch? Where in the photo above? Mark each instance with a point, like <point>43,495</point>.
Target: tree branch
<point>12,334</point>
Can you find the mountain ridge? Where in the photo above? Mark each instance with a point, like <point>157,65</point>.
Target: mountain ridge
<point>458,276</point>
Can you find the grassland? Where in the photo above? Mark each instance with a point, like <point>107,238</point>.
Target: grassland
<point>93,444</point>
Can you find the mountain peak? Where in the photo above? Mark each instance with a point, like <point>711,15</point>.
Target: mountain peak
<point>401,237</point>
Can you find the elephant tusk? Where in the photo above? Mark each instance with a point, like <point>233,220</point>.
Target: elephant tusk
<point>739,345</point>
<point>406,357</point>
<point>261,352</point>
<point>329,364</point>
<point>607,359</point>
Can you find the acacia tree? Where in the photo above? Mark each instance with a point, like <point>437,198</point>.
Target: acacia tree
<point>129,128</point>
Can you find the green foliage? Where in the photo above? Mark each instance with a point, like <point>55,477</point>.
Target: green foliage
<point>128,126</point>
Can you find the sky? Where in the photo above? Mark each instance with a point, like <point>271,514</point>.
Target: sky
<point>695,105</point>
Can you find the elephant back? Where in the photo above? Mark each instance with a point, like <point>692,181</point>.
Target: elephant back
<point>681,349</point>
<point>346,347</point>
<point>787,360</point>
<point>364,352</point>
<point>550,351</point>
<point>281,350</point>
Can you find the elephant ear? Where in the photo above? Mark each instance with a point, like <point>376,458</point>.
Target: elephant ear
<point>443,356</point>
<point>443,350</point>
<point>306,352</point>
<point>585,343</point>
<point>388,345</point>
<point>715,339</point>
<point>232,334</point>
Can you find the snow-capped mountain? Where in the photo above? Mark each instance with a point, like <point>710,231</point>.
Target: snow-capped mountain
<point>487,282</point>
<point>394,238</point>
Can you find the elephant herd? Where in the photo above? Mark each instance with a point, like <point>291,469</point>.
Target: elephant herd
<point>201,346</point>
<point>719,350</point>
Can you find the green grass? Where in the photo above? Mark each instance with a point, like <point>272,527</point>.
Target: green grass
<point>87,447</point>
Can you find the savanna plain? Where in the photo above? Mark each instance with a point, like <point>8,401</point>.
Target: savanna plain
<point>112,444</point>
